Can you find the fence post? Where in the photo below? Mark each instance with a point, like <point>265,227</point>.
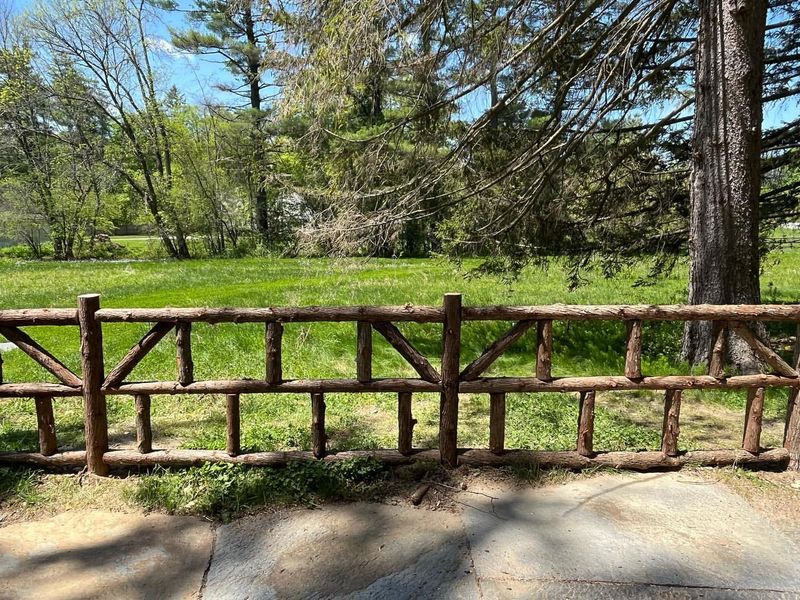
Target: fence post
<point>183,351</point>
<point>497,422</point>
<point>791,432</point>
<point>94,402</point>
<point>46,425</point>
<point>319,439</point>
<point>586,423</point>
<point>233,445</point>
<point>751,438</point>
<point>144,432</point>
<point>405,423</point>
<point>451,358</point>
<point>364,352</point>
<point>274,337</point>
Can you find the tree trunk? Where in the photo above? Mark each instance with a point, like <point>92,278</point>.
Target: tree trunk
<point>260,197</point>
<point>725,180</point>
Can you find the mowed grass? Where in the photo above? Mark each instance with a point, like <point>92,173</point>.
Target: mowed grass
<point>365,421</point>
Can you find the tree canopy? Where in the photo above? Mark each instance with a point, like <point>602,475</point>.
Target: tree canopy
<point>509,130</point>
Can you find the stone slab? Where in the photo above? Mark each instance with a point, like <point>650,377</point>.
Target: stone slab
<point>667,529</point>
<point>345,551</point>
<point>581,590</point>
<point>97,554</point>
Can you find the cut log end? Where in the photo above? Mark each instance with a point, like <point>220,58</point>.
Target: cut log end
<point>419,494</point>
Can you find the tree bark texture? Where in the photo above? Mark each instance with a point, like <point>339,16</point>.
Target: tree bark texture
<point>725,180</point>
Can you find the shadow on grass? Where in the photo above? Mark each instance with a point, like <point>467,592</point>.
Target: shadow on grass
<point>68,436</point>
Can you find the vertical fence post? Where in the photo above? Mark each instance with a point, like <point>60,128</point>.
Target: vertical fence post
<point>1,368</point>
<point>586,424</point>
<point>497,422</point>
<point>405,423</point>
<point>791,432</point>
<point>46,425</point>
<point>451,358</point>
<point>716,363</point>
<point>318,438</point>
<point>544,349</point>
<point>364,352</point>
<point>183,349</point>
<point>233,445</point>
<point>751,439</point>
<point>274,337</point>
<point>633,350</point>
<point>671,425</point>
<point>94,402</point>
<point>144,433</point>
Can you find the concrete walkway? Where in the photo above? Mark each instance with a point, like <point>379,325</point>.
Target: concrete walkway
<point>613,536</point>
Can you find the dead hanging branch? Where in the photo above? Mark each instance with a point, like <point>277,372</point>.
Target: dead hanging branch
<point>520,116</point>
<point>581,68</point>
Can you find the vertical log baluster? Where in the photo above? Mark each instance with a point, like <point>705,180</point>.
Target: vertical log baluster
<point>791,431</point>
<point>751,440</point>
<point>1,368</point>
<point>364,352</point>
<point>671,426</point>
<point>544,349</point>
<point>716,362</point>
<point>405,423</point>
<point>586,423</point>
<point>232,422</point>
<point>318,437</point>
<point>274,337</point>
<point>144,433</point>
<point>46,425</point>
<point>497,422</point>
<point>451,357</point>
<point>183,346</point>
<point>633,350</point>
<point>94,402</point>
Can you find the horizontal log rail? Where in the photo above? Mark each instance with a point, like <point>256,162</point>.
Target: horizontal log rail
<point>451,378</point>
<point>638,461</point>
<point>305,314</point>
<point>485,385</point>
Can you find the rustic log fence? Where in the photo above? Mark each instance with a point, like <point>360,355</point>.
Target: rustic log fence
<point>449,381</point>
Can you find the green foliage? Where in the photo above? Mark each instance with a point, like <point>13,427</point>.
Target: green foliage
<point>225,490</point>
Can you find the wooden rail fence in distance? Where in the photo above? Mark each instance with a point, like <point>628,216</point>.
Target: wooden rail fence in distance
<point>449,380</point>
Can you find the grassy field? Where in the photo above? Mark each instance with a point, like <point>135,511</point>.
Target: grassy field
<point>363,421</point>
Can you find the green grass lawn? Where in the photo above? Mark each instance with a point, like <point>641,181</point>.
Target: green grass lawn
<point>362,421</point>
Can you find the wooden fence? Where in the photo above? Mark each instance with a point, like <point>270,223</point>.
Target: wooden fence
<point>94,385</point>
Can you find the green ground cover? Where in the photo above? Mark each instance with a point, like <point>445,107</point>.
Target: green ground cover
<point>363,421</point>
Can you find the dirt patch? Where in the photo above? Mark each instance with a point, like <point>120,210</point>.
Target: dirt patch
<point>776,495</point>
<point>53,494</point>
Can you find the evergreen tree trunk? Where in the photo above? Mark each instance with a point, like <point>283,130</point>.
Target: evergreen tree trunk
<point>256,169</point>
<point>725,180</point>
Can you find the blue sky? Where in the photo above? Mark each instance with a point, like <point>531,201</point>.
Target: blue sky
<point>194,76</point>
<point>197,76</point>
